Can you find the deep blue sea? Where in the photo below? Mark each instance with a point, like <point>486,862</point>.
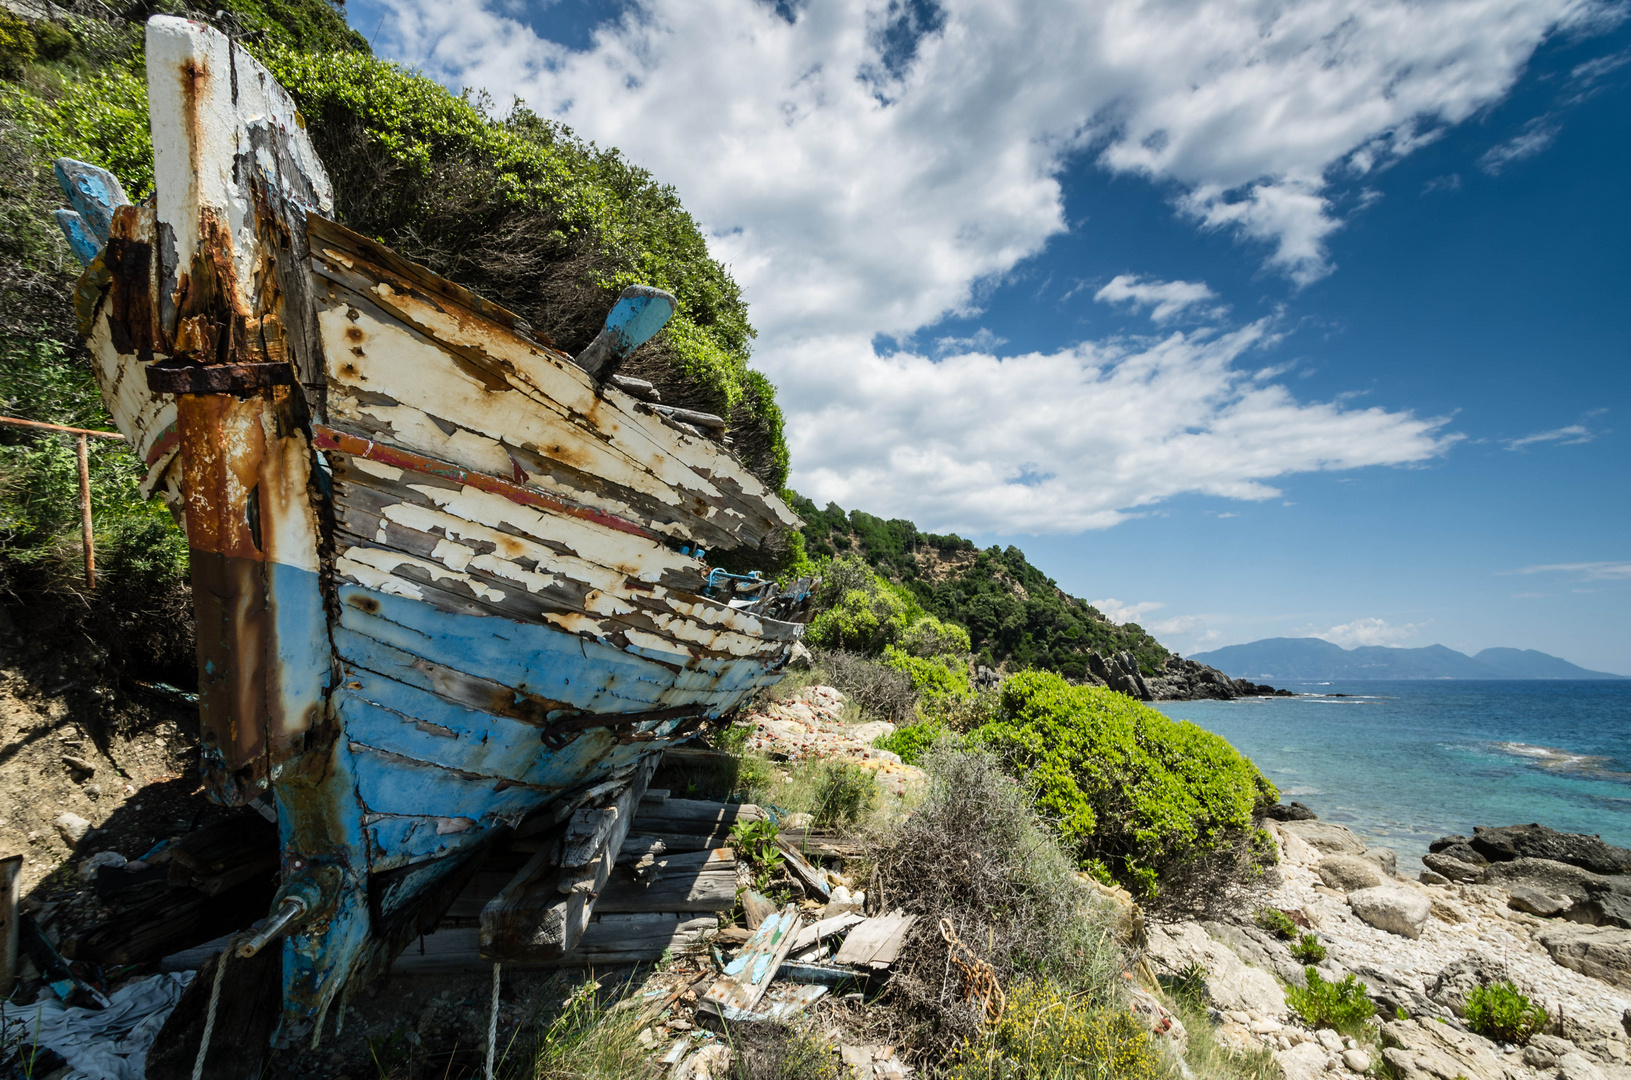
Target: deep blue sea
<point>1402,763</point>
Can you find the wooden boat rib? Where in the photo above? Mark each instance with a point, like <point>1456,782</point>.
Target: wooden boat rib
<point>444,575</point>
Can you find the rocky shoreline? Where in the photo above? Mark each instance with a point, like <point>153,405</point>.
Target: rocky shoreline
<point>1534,911</point>
<point>1178,680</point>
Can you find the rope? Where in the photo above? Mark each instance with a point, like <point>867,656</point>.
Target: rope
<point>979,978</point>
<point>215,1000</point>
<point>492,1026</point>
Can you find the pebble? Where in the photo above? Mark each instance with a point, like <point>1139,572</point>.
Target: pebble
<point>1356,1060</point>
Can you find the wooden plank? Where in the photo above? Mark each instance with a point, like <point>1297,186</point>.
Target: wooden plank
<point>747,977</point>
<point>815,933</point>
<point>542,913</point>
<point>607,939</point>
<point>696,881</point>
<point>11,882</point>
<point>876,941</point>
<point>695,816</point>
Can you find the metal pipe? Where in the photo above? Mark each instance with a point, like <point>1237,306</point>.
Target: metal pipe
<point>292,908</point>
<point>85,515</point>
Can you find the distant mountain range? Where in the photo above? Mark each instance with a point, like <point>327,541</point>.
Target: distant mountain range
<point>1280,660</point>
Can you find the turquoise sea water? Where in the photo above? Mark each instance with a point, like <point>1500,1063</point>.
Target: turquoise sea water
<point>1402,763</point>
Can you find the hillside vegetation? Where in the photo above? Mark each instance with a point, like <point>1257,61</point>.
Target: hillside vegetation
<point>1016,616</point>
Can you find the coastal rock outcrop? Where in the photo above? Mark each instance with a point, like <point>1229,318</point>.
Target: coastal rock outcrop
<point>1599,951</point>
<point>1598,899</point>
<point>1181,680</point>
<point>1509,842</point>
<point>1231,985</point>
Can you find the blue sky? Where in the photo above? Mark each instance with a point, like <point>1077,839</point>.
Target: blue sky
<point>1241,320</point>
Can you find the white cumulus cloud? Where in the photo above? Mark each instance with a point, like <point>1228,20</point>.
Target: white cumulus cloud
<point>1366,632</point>
<point>1116,611</point>
<point>1165,299</point>
<point>865,174</point>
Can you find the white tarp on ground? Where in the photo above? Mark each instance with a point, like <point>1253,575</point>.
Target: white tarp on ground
<point>111,1043</point>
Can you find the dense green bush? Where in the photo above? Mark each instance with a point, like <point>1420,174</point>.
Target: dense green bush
<point>1500,1012</point>
<point>844,793</point>
<point>935,678</point>
<point>863,621</point>
<point>1342,1006</point>
<point>1156,801</point>
<point>911,741</point>
<point>929,637</point>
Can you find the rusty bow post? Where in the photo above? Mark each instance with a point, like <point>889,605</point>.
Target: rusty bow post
<point>87,541</point>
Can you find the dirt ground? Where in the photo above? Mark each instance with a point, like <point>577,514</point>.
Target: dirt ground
<point>141,749</point>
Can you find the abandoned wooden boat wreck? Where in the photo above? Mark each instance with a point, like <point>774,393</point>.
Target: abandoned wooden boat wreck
<point>448,579</point>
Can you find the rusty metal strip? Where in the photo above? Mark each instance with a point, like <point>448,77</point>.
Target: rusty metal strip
<point>239,380</point>
<point>327,438</point>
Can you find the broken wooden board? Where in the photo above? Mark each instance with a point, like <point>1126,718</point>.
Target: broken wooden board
<point>543,911</point>
<point>877,941</point>
<point>818,932</point>
<point>747,977</point>
<point>695,816</point>
<point>811,877</point>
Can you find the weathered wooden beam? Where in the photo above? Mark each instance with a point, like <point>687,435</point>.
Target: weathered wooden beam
<point>876,942</point>
<point>696,816</point>
<point>543,911</point>
<point>695,881</point>
<point>621,938</point>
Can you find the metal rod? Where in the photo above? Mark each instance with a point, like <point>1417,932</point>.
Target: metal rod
<point>85,514</point>
<point>19,422</point>
<point>292,908</point>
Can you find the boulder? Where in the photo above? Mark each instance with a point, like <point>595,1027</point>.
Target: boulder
<point>1445,841</point>
<point>1577,1066</point>
<point>1293,811</point>
<point>1535,902</point>
<point>799,657</point>
<point>1598,899</point>
<point>1461,851</point>
<point>1392,908</point>
<point>1357,1060</point>
<point>1293,848</point>
<point>1305,1061</point>
<point>1432,877</point>
<point>869,733</point>
<point>1329,839</point>
<point>71,827</point>
<point>1510,842</point>
<point>1428,1050</point>
<point>1349,873</point>
<point>1598,951</point>
<point>1451,868</point>
<point>1385,858</point>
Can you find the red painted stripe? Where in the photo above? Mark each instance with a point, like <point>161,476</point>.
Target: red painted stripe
<point>327,438</point>
<point>168,440</point>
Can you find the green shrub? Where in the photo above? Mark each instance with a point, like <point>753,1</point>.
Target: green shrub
<point>1500,1012</point>
<point>755,844</point>
<point>1276,922</point>
<point>1162,803</point>
<point>53,42</point>
<point>845,792</point>
<point>929,637</point>
<point>934,678</point>
<point>17,44</point>
<point>863,621</point>
<point>911,741</point>
<point>1339,1005</point>
<point>1048,1035</point>
<point>1308,950</point>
